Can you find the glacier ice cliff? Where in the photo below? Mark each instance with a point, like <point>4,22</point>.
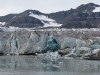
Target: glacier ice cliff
<point>52,45</point>
<point>70,42</point>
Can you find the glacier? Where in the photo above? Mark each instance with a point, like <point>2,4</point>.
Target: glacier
<point>65,42</point>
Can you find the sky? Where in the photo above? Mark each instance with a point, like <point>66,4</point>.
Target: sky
<point>45,6</point>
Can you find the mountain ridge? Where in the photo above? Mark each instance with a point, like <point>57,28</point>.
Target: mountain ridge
<point>81,17</point>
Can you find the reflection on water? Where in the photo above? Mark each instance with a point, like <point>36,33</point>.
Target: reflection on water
<point>29,65</point>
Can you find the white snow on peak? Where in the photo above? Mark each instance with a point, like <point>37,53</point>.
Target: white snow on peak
<point>97,9</point>
<point>41,17</point>
<point>49,22</point>
<point>2,23</point>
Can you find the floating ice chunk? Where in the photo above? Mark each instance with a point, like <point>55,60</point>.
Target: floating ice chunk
<point>54,54</point>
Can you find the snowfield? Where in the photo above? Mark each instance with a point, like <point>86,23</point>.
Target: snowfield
<point>49,22</point>
<point>2,23</point>
<point>97,9</point>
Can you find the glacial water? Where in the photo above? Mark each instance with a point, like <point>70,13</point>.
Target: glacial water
<point>34,65</point>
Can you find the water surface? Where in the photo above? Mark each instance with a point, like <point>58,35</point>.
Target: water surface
<point>32,65</point>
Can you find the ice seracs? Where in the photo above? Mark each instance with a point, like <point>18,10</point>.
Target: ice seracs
<point>26,41</point>
<point>48,22</point>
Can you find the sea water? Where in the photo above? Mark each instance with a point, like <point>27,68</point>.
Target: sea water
<point>42,65</point>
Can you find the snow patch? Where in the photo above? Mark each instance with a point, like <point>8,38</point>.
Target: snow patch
<point>49,22</point>
<point>13,17</point>
<point>11,28</point>
<point>97,9</point>
<point>85,11</point>
<point>41,17</point>
<point>97,37</point>
<point>2,23</point>
<point>54,54</point>
<point>30,12</point>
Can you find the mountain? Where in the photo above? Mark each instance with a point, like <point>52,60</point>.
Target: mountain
<point>84,16</point>
<point>81,17</point>
<point>22,20</point>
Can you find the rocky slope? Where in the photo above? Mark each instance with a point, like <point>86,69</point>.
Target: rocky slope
<point>84,16</point>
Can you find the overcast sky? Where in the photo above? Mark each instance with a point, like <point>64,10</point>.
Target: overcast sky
<point>45,6</point>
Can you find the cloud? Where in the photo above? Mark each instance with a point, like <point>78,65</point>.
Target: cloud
<point>45,6</point>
